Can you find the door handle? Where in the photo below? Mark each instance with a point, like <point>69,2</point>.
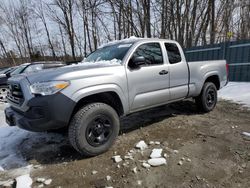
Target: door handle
<point>163,72</point>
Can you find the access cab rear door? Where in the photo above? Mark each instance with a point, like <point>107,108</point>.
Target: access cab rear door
<point>178,71</point>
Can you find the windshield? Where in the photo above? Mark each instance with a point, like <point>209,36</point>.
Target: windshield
<point>109,53</point>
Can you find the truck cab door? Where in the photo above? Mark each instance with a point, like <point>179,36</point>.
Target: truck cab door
<point>147,76</point>
<point>179,72</point>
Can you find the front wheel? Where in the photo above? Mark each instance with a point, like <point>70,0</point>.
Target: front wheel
<point>207,99</point>
<point>93,129</point>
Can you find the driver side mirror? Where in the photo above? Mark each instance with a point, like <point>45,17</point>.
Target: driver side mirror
<point>136,62</point>
<point>8,74</point>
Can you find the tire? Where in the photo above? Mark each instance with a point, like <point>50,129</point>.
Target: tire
<point>93,129</point>
<point>3,93</point>
<point>207,99</point>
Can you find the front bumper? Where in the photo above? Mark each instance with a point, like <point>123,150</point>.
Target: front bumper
<point>45,113</point>
<point>13,118</point>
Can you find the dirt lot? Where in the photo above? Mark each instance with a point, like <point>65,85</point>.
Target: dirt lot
<point>219,155</point>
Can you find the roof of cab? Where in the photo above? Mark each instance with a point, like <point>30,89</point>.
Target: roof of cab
<point>134,40</point>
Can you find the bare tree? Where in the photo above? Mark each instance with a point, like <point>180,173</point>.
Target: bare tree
<point>80,26</point>
<point>23,14</point>
<point>66,7</point>
<point>9,19</point>
<point>41,15</point>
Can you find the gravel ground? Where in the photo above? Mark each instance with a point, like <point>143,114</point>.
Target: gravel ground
<point>201,150</point>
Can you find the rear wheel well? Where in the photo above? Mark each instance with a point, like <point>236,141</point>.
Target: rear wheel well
<point>214,79</point>
<point>109,98</point>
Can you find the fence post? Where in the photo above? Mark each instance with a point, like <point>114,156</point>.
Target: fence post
<point>224,50</point>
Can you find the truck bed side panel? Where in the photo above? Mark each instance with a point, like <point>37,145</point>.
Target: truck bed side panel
<point>201,70</point>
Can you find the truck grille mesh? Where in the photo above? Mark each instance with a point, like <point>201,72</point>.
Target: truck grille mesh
<point>15,94</point>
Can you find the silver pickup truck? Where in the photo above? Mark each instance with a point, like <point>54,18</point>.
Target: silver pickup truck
<point>117,79</point>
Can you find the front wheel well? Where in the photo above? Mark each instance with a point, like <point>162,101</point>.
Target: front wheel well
<point>214,79</point>
<point>110,98</point>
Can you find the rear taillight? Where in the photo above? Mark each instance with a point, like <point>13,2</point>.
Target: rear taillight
<point>227,67</point>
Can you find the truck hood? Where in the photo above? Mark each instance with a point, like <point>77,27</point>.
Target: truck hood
<point>71,72</point>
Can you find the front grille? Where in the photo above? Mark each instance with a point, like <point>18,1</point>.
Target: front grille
<point>15,94</point>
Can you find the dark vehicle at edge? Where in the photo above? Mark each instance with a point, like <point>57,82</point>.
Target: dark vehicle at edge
<point>23,68</point>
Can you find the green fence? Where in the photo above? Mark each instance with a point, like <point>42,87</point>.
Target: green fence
<point>236,53</point>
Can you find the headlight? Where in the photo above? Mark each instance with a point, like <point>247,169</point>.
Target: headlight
<point>48,88</point>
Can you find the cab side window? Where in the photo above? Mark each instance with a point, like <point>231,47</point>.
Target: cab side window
<point>174,55</point>
<point>151,52</point>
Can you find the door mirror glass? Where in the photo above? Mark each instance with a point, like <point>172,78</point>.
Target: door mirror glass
<point>136,62</point>
<point>140,60</point>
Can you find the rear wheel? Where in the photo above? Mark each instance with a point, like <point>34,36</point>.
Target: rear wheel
<point>207,99</point>
<point>3,93</point>
<point>93,129</point>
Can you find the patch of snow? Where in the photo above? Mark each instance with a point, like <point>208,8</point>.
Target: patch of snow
<point>38,167</point>
<point>131,151</point>
<point>238,92</point>
<point>102,62</point>
<point>146,165</point>
<point>126,40</point>
<point>126,164</point>
<point>157,161</point>
<point>151,143</point>
<point>108,178</point>
<point>117,158</point>
<point>198,178</point>
<point>156,153</point>
<point>47,182</point>
<point>7,183</point>
<point>175,151</point>
<point>154,142</point>
<point>128,157</point>
<point>165,155</point>
<point>40,180</point>
<point>157,143</point>
<point>1,168</point>
<point>19,171</point>
<point>94,172</point>
<point>2,115</point>
<point>139,182</point>
<point>134,170</point>
<point>244,165</point>
<point>141,145</point>
<point>180,163</point>
<point>23,181</point>
<point>246,134</point>
<point>10,138</point>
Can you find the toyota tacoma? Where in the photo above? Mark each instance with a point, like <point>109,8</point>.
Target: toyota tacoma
<point>118,79</point>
